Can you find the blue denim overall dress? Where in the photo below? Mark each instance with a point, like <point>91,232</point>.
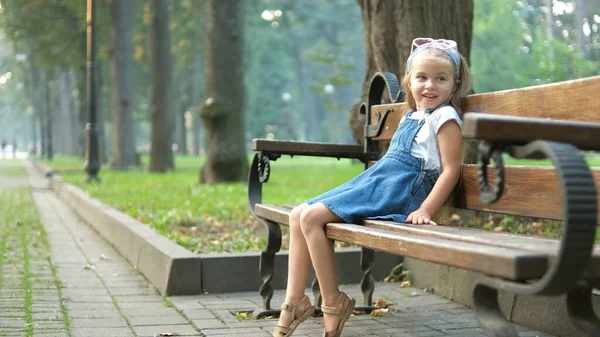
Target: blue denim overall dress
<point>391,189</point>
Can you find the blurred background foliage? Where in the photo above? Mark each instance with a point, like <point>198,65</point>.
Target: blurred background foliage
<point>299,56</point>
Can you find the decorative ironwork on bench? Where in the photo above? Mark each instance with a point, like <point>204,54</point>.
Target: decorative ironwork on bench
<point>566,274</point>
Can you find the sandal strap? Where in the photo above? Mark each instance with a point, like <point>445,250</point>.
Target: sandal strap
<point>337,308</point>
<point>281,330</point>
<point>287,306</point>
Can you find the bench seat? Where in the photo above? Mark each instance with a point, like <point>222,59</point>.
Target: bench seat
<point>510,256</point>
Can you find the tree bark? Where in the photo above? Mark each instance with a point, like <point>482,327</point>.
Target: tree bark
<point>180,109</point>
<point>69,124</point>
<point>49,149</point>
<point>196,92</point>
<point>390,27</point>
<point>222,112</point>
<point>580,11</point>
<point>123,143</point>
<point>161,155</point>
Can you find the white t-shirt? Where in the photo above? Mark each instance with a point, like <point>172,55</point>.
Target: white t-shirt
<point>425,143</point>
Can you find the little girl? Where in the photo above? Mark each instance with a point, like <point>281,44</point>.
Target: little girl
<point>409,184</point>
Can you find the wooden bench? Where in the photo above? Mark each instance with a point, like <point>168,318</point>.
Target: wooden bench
<point>549,121</point>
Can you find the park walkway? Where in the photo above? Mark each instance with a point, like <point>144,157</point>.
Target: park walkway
<point>59,278</point>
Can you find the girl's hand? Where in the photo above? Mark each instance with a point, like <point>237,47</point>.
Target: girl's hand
<point>420,217</point>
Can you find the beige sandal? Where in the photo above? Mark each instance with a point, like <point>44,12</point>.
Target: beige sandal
<point>343,312</point>
<point>300,315</point>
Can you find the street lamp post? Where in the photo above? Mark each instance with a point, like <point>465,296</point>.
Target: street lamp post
<point>92,160</point>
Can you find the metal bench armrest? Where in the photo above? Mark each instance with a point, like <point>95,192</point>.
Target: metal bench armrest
<point>280,147</point>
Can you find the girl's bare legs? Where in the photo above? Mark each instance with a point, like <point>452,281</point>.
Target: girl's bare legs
<point>298,265</point>
<point>312,222</point>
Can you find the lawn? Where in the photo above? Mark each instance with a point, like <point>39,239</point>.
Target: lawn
<point>206,218</point>
<point>216,218</point>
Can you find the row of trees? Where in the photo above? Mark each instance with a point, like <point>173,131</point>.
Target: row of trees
<point>246,68</point>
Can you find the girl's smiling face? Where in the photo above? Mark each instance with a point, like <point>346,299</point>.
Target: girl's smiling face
<point>431,81</point>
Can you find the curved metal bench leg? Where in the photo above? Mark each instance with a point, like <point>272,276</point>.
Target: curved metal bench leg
<point>488,313</point>
<point>316,293</point>
<point>367,282</point>
<point>581,311</point>
<point>267,268</point>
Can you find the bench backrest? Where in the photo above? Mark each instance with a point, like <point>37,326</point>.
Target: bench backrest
<point>529,191</point>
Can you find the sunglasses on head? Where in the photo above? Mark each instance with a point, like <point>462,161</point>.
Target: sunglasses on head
<point>443,44</point>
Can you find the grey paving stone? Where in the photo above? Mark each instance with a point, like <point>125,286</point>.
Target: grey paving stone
<point>203,324</point>
<point>139,299</point>
<point>51,334</point>
<point>179,330</point>
<point>47,316</point>
<point>111,322</point>
<point>45,325</point>
<point>101,332</point>
<point>173,319</point>
<point>242,331</point>
<point>148,312</point>
<point>12,323</point>
<point>95,313</point>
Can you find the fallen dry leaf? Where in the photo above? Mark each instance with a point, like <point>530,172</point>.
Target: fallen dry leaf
<point>405,284</point>
<point>166,334</point>
<point>379,312</point>
<point>381,303</point>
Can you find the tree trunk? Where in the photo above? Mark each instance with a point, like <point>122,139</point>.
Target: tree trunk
<point>68,122</point>
<point>390,27</point>
<point>60,120</point>
<point>73,107</point>
<point>196,92</point>
<point>579,17</point>
<point>549,20</point>
<point>222,112</point>
<point>49,150</point>
<point>161,155</point>
<point>123,143</point>
<point>180,109</point>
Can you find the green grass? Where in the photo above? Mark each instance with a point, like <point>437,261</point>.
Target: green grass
<point>208,218</point>
<point>216,218</point>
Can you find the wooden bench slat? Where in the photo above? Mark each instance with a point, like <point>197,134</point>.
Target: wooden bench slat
<point>568,100</point>
<point>308,149</point>
<point>507,240</point>
<point>521,130</point>
<point>273,213</point>
<point>508,263</point>
<point>528,191</point>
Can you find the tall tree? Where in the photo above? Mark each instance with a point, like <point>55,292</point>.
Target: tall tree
<point>121,54</point>
<point>161,154</point>
<point>222,112</point>
<point>390,27</point>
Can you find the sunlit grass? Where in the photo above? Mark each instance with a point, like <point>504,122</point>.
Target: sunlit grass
<point>210,218</point>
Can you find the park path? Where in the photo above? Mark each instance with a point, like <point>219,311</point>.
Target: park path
<point>59,278</point>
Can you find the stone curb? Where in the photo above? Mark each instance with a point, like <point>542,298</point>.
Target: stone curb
<point>172,269</point>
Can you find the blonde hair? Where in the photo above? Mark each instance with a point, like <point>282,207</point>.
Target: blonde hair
<point>462,81</point>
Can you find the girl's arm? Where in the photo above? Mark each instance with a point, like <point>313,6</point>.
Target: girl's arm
<point>449,139</point>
